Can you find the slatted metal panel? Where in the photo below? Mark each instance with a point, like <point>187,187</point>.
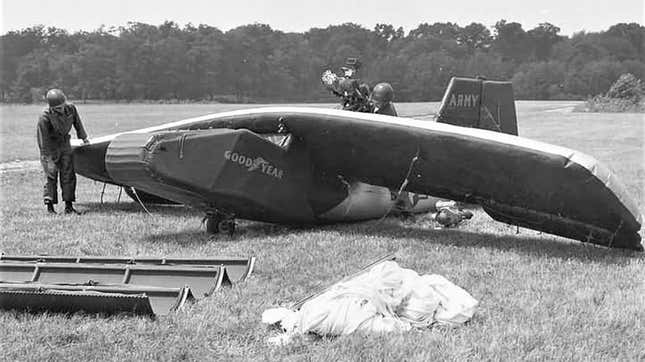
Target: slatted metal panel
<point>108,285</point>
<point>237,269</point>
<point>104,299</point>
<point>202,280</point>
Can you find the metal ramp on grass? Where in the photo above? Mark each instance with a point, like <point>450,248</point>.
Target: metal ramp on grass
<point>46,282</point>
<point>102,299</point>
<point>202,281</point>
<point>237,269</point>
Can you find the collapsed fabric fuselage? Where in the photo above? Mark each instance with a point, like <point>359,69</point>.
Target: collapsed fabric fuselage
<point>285,164</point>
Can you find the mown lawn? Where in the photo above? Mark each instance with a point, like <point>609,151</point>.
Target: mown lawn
<point>541,297</point>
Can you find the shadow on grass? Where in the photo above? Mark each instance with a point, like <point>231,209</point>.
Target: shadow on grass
<point>250,230</point>
<point>522,243</point>
<point>192,238</point>
<point>245,230</point>
<point>133,207</point>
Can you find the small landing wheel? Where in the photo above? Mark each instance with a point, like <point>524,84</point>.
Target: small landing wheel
<point>212,223</point>
<point>227,226</point>
<point>219,222</point>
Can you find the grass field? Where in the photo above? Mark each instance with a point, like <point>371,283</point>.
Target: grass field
<point>541,297</point>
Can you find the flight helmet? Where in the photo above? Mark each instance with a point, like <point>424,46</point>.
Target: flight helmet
<point>55,98</point>
<point>382,93</point>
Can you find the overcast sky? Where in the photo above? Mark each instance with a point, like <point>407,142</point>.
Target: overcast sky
<point>301,15</point>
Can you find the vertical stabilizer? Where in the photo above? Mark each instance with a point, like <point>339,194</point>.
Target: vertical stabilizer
<point>479,103</point>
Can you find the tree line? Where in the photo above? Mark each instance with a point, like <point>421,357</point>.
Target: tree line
<point>255,63</point>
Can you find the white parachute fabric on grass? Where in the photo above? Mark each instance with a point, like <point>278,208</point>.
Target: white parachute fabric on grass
<point>387,298</point>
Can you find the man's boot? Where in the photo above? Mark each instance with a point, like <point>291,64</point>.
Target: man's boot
<point>69,209</point>
<point>50,207</point>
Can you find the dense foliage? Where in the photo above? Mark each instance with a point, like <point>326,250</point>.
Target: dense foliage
<point>257,63</point>
<point>625,95</point>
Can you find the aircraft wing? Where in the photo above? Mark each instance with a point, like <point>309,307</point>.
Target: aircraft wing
<point>517,180</point>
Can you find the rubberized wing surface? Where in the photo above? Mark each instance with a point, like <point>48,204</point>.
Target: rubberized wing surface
<point>517,180</point>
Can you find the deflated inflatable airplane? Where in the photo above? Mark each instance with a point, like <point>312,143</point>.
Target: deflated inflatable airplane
<point>296,165</point>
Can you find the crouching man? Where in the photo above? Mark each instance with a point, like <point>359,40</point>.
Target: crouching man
<point>54,125</point>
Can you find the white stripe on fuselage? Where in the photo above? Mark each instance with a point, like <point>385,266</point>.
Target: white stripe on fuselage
<point>575,156</point>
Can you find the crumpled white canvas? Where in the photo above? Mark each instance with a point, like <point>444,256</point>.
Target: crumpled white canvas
<point>387,298</point>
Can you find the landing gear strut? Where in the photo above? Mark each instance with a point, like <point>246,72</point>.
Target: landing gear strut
<point>220,222</point>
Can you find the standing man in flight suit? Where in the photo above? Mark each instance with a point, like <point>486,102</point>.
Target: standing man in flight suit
<point>381,98</point>
<point>54,125</point>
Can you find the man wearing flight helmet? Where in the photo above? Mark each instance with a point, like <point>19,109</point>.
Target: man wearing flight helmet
<point>54,125</point>
<point>381,99</point>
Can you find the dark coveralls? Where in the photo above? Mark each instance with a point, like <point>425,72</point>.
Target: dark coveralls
<point>388,109</point>
<point>56,151</point>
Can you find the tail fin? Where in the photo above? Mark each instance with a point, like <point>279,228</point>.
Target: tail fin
<point>479,103</point>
